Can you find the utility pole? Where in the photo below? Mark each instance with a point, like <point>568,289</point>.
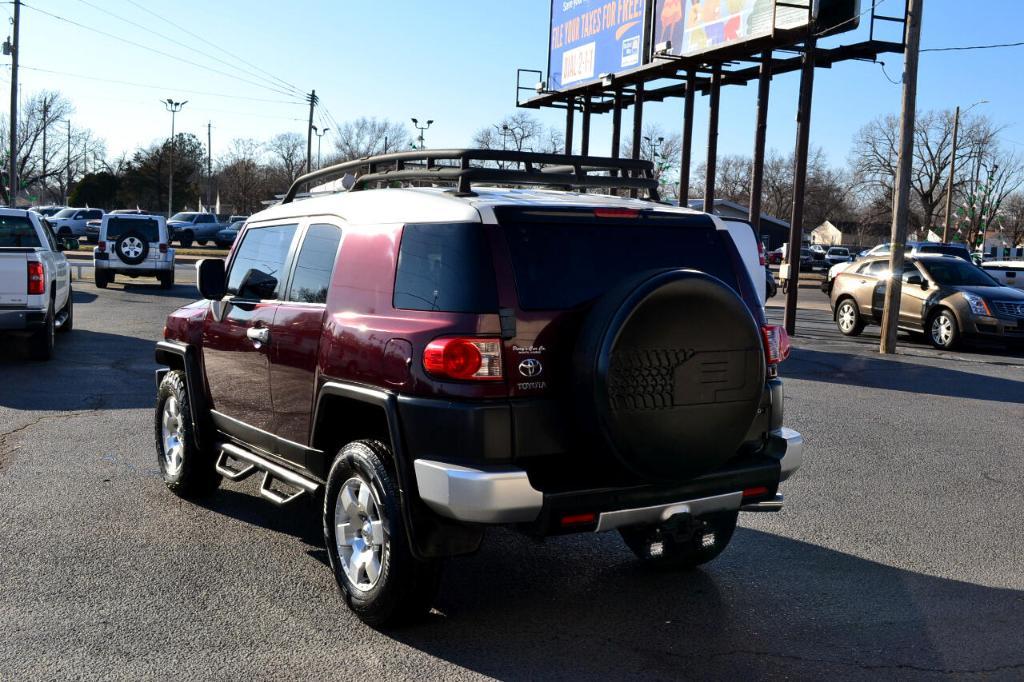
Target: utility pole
<point>312,99</point>
<point>952,174</point>
<point>46,124</point>
<point>67,189</point>
<point>209,162</point>
<point>764,85</point>
<point>901,209</point>
<point>13,47</point>
<point>174,108</point>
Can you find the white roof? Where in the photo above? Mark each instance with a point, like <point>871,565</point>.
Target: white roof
<point>431,204</point>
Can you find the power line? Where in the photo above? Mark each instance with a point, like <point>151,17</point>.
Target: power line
<point>296,90</point>
<point>973,47</point>
<point>168,38</point>
<point>159,87</point>
<point>160,52</point>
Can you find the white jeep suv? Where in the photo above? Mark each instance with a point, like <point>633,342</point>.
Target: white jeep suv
<point>133,245</point>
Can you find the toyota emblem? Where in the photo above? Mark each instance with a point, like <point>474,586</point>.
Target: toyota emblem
<point>530,367</point>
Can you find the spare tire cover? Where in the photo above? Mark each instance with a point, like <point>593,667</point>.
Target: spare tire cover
<point>132,248</point>
<point>669,372</point>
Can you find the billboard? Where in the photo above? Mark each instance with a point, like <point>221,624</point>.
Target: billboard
<point>696,27</point>
<point>592,37</point>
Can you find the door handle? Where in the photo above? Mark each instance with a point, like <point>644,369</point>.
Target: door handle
<point>258,335</point>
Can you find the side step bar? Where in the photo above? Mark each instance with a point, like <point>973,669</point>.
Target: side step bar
<point>271,472</point>
<point>765,506</point>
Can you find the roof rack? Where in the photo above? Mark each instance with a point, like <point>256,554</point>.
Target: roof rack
<point>456,166</point>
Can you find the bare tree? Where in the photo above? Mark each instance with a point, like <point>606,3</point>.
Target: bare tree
<point>985,194</point>
<point>732,179</point>
<point>287,157</point>
<point>663,150</point>
<point>1011,220</point>
<point>243,178</point>
<point>369,136</point>
<point>519,132</point>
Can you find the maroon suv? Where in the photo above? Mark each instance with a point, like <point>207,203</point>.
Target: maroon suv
<point>429,361</point>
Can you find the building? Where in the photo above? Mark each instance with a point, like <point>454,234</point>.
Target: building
<point>774,232</point>
<point>827,234</point>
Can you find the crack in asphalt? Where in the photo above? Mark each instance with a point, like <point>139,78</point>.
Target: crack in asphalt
<point>6,449</point>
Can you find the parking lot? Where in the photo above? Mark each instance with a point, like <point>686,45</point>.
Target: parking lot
<point>904,519</point>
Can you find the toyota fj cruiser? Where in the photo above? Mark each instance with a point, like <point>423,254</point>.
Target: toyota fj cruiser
<point>425,362</point>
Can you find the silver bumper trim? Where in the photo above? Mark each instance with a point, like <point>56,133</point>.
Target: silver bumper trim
<point>766,506</point>
<point>793,451</point>
<point>663,512</point>
<point>475,495</point>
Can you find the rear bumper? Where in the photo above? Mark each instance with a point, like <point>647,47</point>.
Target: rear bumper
<point>21,319</point>
<point>502,494</point>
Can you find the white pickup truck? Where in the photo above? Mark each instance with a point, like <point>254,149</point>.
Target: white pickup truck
<point>35,281</point>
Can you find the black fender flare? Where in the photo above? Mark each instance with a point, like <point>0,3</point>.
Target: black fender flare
<point>430,535</point>
<point>178,355</point>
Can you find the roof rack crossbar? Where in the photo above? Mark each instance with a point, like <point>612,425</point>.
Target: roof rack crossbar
<point>532,168</point>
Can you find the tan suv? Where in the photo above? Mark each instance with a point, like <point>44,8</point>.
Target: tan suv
<point>944,297</point>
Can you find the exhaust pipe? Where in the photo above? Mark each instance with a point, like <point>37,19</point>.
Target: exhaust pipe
<point>765,506</point>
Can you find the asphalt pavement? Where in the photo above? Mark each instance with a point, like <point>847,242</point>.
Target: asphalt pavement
<point>898,555</point>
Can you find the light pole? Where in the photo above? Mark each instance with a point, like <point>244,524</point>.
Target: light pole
<point>319,133</point>
<point>422,129</point>
<point>174,108</point>
<point>655,145</point>
<point>952,169</point>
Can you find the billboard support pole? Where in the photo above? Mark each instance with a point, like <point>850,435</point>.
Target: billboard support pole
<point>687,142</point>
<point>585,132</point>
<point>712,162</point>
<point>757,175</point>
<point>570,113</point>
<point>617,123</point>
<point>803,138</point>
<point>638,125</point>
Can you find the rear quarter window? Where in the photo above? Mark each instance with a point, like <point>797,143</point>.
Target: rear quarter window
<point>445,267</point>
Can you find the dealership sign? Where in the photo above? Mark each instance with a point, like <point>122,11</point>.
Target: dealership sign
<point>593,37</point>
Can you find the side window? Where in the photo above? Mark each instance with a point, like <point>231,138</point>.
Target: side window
<point>206,218</point>
<point>258,269</point>
<point>315,264</point>
<point>876,268</point>
<point>48,236</point>
<point>446,267</point>
<point>95,215</point>
<point>79,215</point>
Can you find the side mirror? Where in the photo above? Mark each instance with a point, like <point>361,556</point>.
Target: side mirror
<point>257,285</point>
<point>210,279</point>
<point>915,279</point>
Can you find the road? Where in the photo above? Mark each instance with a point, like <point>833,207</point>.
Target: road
<point>898,554</point>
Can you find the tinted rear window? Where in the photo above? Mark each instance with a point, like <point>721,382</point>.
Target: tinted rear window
<point>17,231</point>
<point>566,259</point>
<point>445,267</point>
<point>948,250</point>
<point>148,228</point>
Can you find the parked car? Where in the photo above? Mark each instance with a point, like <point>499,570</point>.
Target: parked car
<point>836,255</point>
<point>70,222</point>
<point>942,297</point>
<point>47,211</point>
<point>806,260</point>
<point>237,219</point>
<point>35,281</point>
<point>92,227</point>
<point>188,227</point>
<point>226,237</point>
<point>445,368</point>
<point>771,286</point>
<point>1009,273</point>
<point>775,257</point>
<point>911,249</point>
<point>136,245</point>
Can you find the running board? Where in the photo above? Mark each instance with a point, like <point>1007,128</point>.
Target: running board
<point>271,472</point>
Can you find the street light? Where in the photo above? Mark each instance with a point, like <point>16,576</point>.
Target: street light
<point>174,108</point>
<point>952,169</point>
<point>319,134</point>
<point>422,129</point>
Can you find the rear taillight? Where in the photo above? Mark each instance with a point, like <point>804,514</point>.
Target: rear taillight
<point>163,248</point>
<point>760,253</point>
<point>776,344</point>
<point>616,213</point>
<point>464,358</point>
<point>102,247</point>
<point>36,279</point>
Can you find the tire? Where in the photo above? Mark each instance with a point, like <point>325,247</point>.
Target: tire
<point>943,330</point>
<point>848,318</point>
<point>374,567</point>
<point>101,278</point>
<point>167,280</point>
<point>64,232</point>
<point>658,546</point>
<point>186,239</point>
<point>41,342</point>
<point>201,242</point>
<point>187,470</point>
<point>132,248</point>
<point>69,309</point>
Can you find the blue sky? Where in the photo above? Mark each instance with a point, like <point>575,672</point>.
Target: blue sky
<point>453,61</point>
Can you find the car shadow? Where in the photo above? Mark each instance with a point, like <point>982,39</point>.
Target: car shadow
<point>581,607</point>
<point>89,370</point>
<point>80,297</point>
<point>897,375</point>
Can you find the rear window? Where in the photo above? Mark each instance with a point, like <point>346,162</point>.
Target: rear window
<point>148,228</point>
<point>17,231</point>
<point>566,259</point>
<point>960,252</point>
<point>445,267</point>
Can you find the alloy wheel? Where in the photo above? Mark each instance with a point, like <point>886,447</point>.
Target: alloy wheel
<point>132,247</point>
<point>942,329</point>
<point>172,436</point>
<point>361,535</point>
<point>847,317</point>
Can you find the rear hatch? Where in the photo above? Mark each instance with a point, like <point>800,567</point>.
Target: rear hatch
<point>562,260</point>
<point>147,227</point>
